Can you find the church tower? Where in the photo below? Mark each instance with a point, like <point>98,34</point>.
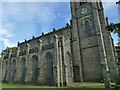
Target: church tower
<point>91,44</point>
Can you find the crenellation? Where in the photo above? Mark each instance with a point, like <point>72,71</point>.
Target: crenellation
<point>44,35</point>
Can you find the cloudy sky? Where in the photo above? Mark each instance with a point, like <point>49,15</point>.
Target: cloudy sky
<point>21,20</point>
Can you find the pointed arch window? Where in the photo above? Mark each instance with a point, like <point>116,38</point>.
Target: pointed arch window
<point>23,69</point>
<point>13,70</point>
<point>49,68</point>
<point>87,25</point>
<point>35,69</point>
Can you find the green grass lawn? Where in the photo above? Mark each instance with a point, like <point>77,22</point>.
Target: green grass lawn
<point>11,85</point>
<point>87,85</point>
<point>75,85</point>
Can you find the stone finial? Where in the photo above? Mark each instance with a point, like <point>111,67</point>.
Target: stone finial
<point>53,29</point>
<point>18,43</point>
<point>70,22</point>
<point>107,20</point>
<point>33,37</point>
<point>67,24</point>
<point>25,40</point>
<point>106,17</point>
<point>42,33</point>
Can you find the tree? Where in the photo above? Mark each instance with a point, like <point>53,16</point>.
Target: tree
<point>115,28</point>
<point>7,49</point>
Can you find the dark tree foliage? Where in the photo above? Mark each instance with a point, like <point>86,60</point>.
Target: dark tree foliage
<point>115,28</point>
<point>8,49</point>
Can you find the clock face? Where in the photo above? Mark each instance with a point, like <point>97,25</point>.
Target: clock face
<point>84,10</point>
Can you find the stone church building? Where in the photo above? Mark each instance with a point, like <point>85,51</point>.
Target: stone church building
<point>80,52</point>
